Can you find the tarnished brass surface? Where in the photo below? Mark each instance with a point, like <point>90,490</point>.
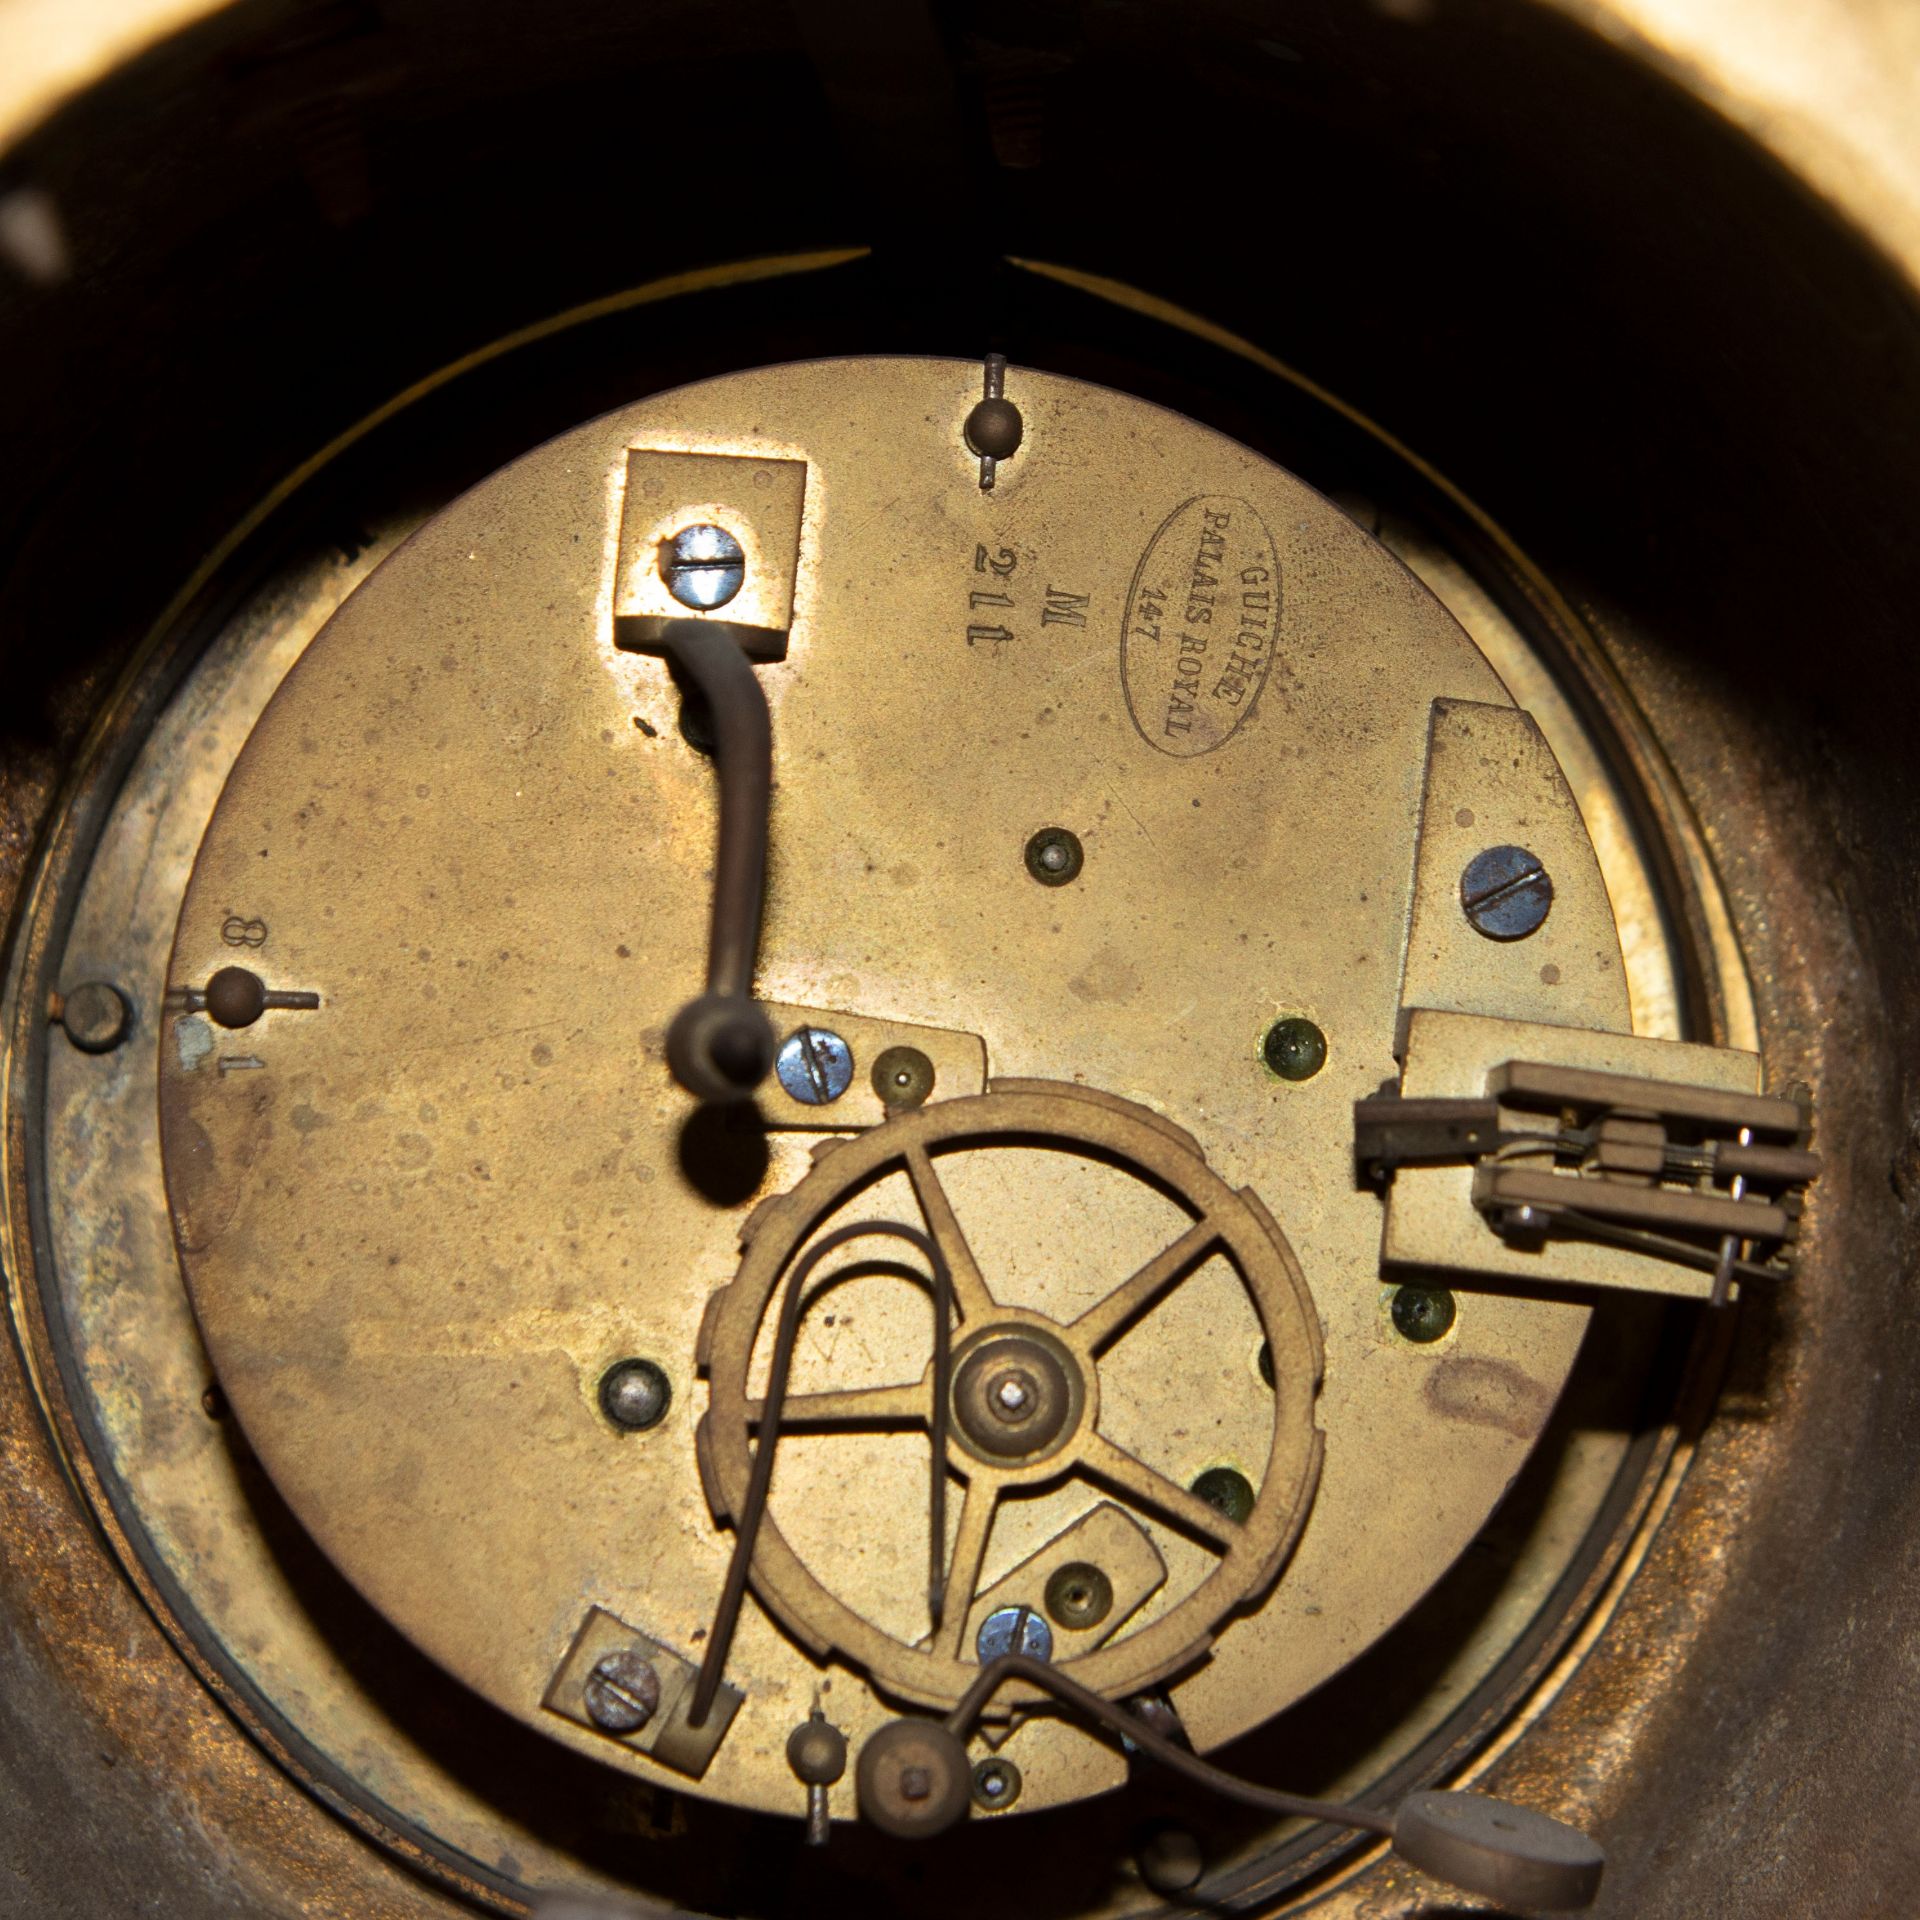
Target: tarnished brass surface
<point>483,1076</point>
<point>1528,804</point>
<point>1824,88</point>
<point>1606,798</point>
<point>141,1367</point>
<point>129,1320</point>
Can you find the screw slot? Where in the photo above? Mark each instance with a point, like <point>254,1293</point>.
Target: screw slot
<point>1014,1630</point>
<point>814,1066</point>
<point>622,1691</point>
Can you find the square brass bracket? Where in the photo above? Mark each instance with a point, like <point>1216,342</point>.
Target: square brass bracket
<point>756,500</point>
<point>958,1059</point>
<point>666,1737</point>
<point>1107,1538</point>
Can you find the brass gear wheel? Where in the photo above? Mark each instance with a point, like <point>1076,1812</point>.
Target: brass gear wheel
<point>1041,1423</point>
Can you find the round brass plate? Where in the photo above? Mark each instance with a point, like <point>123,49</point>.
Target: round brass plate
<point>422,1218</point>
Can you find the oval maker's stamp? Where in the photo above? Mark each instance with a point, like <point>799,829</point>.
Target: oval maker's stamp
<point>1201,613</point>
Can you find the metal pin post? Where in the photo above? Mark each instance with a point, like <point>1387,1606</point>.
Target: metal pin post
<point>994,428</point>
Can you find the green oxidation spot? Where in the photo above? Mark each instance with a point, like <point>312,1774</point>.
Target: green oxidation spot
<point>1294,1048</point>
<point>1226,1491</point>
<point>1422,1313</point>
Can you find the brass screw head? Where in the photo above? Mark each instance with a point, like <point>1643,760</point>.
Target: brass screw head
<point>1055,856</point>
<point>903,1077</point>
<point>1079,1595</point>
